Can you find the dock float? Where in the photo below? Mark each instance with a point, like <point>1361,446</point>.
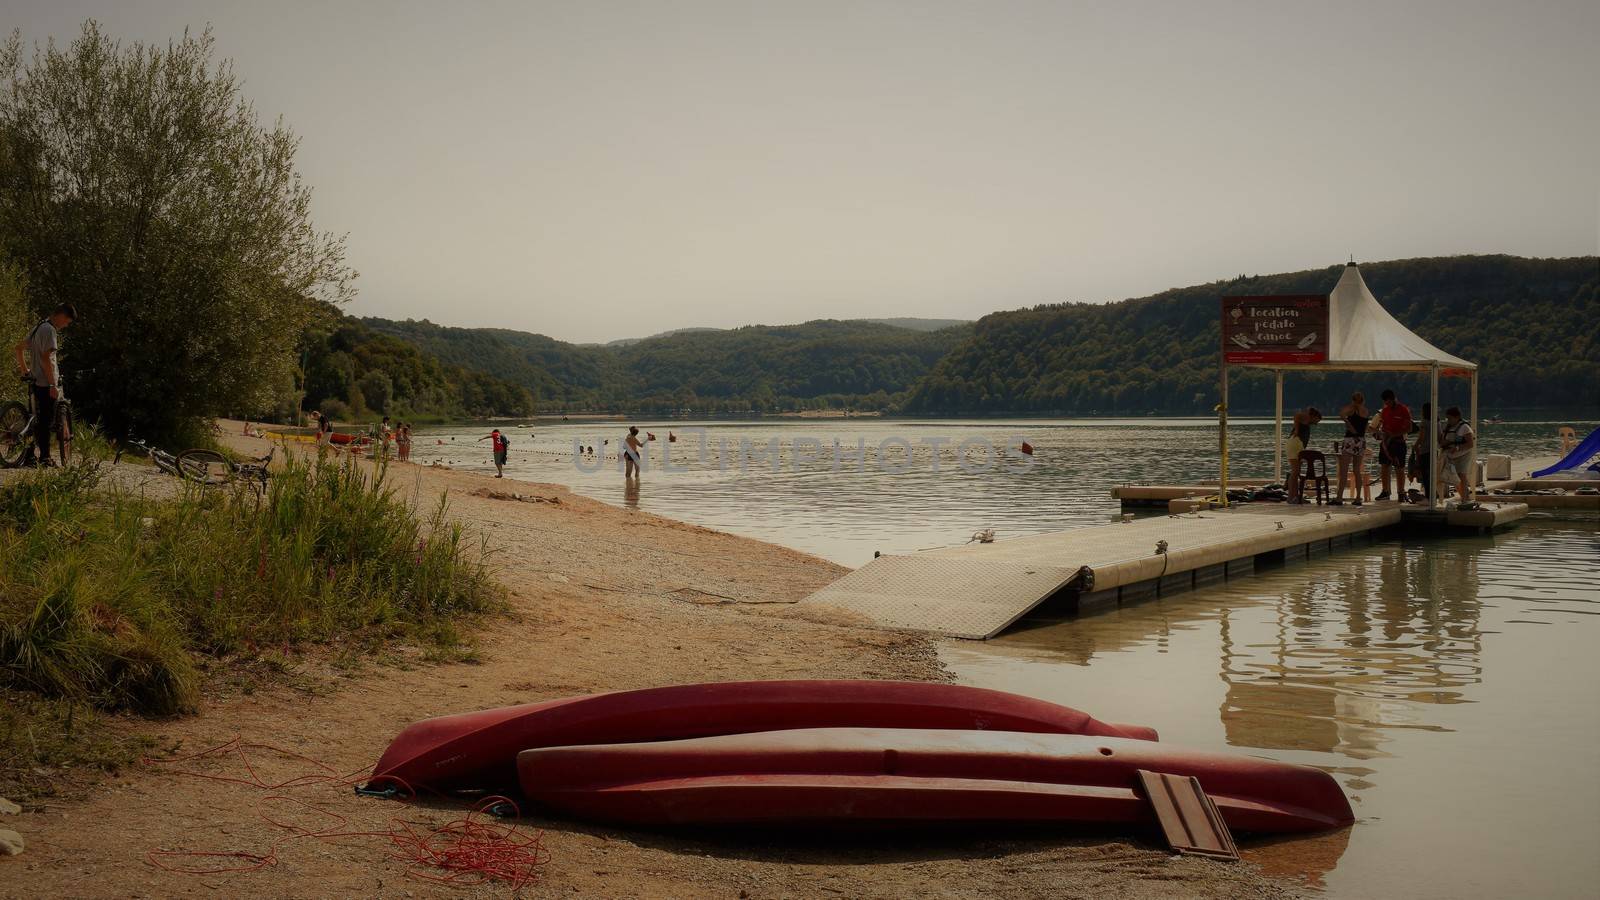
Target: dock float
<point>976,591</point>
<point>1159,495</point>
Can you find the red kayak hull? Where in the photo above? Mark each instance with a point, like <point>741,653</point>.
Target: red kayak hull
<point>863,775</point>
<point>478,750</point>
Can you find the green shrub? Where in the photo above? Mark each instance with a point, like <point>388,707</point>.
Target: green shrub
<point>105,596</point>
<point>82,615</point>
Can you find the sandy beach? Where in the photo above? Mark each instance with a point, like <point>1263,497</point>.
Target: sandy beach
<point>601,598</point>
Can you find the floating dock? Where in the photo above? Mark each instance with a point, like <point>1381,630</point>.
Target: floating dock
<point>977,591</point>
<point>1159,495</point>
<point>1183,498</point>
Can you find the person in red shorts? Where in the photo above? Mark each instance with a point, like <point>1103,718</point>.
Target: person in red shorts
<point>1394,425</point>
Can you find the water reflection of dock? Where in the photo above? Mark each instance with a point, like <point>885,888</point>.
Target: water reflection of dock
<point>1353,655</point>
<point>1332,664</point>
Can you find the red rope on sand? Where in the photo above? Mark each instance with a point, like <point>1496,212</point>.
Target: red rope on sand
<point>468,850</point>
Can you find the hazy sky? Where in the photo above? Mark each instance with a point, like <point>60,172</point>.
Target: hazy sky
<point>595,170</point>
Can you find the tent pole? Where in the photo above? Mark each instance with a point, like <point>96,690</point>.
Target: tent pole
<point>1477,439</point>
<point>1433,437</point>
<point>1277,434</point>
<point>1222,432</point>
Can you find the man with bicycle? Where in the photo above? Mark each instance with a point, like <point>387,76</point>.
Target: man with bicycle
<point>36,356</point>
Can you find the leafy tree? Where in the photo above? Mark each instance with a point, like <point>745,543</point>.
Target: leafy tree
<point>137,183</point>
<point>15,317</point>
<point>363,371</point>
<point>337,410</point>
<point>376,388</point>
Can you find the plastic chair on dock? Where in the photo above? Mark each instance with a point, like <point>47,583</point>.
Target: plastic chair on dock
<point>1314,469</point>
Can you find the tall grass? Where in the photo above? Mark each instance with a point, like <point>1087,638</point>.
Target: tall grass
<point>106,596</point>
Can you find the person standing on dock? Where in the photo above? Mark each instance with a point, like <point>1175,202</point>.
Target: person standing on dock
<point>1456,443</point>
<point>1422,454</point>
<point>1299,440</point>
<point>1394,421</point>
<point>1353,451</point>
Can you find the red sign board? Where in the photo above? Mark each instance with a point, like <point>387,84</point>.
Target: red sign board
<point>1287,330</point>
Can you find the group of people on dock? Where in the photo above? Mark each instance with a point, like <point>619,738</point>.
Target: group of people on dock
<point>1404,451</point>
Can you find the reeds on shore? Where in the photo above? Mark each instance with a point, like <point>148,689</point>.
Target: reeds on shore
<point>107,596</point>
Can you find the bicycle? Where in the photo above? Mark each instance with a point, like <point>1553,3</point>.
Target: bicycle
<point>205,467</point>
<point>17,423</point>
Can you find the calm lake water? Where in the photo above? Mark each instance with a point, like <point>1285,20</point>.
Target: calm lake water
<point>1446,682</point>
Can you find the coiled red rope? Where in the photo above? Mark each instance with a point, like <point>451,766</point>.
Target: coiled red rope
<point>468,850</point>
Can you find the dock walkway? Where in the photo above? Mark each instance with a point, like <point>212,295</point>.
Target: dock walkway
<point>977,591</point>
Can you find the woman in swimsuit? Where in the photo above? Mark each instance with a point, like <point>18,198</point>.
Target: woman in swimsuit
<point>1353,450</point>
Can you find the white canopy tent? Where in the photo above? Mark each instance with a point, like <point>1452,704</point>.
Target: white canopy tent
<point>1362,336</point>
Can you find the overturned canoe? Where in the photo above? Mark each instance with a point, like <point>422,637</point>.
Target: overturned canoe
<point>865,775</point>
<point>478,750</point>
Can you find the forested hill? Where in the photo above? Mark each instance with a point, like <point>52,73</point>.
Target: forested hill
<point>756,369</point>
<point>1533,325</point>
<point>355,373</point>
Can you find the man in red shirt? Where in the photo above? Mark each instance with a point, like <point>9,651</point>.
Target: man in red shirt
<point>1394,423</point>
<point>500,445</point>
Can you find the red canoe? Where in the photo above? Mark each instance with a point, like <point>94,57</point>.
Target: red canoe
<point>837,775</point>
<point>478,749</point>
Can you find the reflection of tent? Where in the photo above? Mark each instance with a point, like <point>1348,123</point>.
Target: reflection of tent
<point>1362,336</point>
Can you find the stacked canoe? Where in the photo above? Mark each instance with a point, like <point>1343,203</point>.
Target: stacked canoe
<point>818,752</point>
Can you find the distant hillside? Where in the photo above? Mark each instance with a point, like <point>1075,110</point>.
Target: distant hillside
<point>1533,325</point>
<point>766,366</point>
<point>912,323</point>
<point>920,324</point>
<point>628,342</point>
<point>758,368</point>
<point>354,372</point>
<point>558,373</point>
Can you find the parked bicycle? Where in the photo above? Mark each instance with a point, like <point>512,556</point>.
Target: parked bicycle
<point>17,423</point>
<point>206,467</point>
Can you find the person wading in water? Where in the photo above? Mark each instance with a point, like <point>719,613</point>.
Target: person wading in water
<point>632,454</point>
